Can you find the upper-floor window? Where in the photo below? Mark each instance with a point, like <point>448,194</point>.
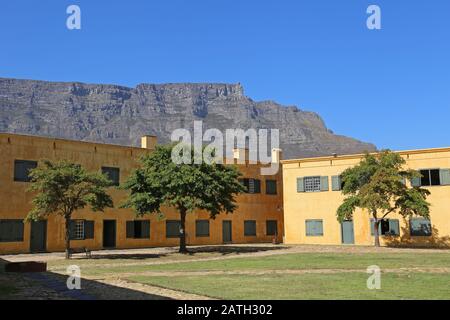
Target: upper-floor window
<point>113,175</point>
<point>22,170</point>
<point>271,187</point>
<point>432,177</point>
<point>312,184</point>
<point>252,185</point>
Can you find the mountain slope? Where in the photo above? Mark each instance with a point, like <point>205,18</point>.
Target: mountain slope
<point>121,115</point>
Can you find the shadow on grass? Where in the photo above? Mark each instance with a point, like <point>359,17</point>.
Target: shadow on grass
<point>226,250</point>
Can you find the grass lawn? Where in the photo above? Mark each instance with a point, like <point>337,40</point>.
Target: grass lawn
<point>308,286</point>
<point>297,261</point>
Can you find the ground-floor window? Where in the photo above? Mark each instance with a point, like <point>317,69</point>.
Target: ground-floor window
<point>202,228</point>
<point>81,230</point>
<point>386,227</point>
<point>314,228</point>
<point>173,229</point>
<point>420,227</point>
<point>138,229</point>
<point>250,228</point>
<point>271,228</point>
<point>11,230</point>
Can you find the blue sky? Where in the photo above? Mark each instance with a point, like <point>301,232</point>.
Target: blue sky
<point>390,87</point>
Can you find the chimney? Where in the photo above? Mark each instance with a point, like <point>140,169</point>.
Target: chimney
<point>149,142</point>
<point>277,155</point>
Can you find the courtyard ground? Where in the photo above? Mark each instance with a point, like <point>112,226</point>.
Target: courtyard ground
<point>238,272</point>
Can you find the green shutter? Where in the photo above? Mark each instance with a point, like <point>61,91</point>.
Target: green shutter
<point>372,227</point>
<point>324,184</point>
<point>250,228</point>
<point>300,184</point>
<point>89,229</point>
<point>271,228</point>
<point>72,229</point>
<point>445,177</point>
<point>319,228</point>
<point>416,182</point>
<point>145,229</point>
<point>130,229</point>
<point>394,227</point>
<point>336,183</point>
<point>257,186</point>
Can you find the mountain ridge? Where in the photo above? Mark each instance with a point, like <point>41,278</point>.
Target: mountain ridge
<point>119,114</point>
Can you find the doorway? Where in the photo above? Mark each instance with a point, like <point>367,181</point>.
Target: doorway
<point>227,232</point>
<point>348,235</point>
<point>109,233</point>
<point>38,238</point>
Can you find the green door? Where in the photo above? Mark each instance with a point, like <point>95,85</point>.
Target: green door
<point>227,231</point>
<point>38,237</point>
<point>348,236</point>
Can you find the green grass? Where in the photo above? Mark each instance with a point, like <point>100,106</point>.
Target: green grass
<point>299,261</point>
<point>308,286</point>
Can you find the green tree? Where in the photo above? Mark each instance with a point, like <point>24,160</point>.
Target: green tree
<point>378,184</point>
<point>63,188</point>
<point>186,187</point>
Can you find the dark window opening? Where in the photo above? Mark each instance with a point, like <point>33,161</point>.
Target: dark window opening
<point>11,230</point>
<point>22,170</point>
<point>271,187</point>
<point>138,229</point>
<point>271,227</point>
<point>250,228</point>
<point>387,227</point>
<point>430,178</point>
<point>202,228</point>
<point>252,186</point>
<point>173,229</point>
<point>113,175</point>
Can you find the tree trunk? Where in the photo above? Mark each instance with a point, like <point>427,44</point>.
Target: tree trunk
<point>183,248</point>
<point>376,232</point>
<point>67,238</point>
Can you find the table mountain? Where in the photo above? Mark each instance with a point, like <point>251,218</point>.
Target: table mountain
<point>121,115</point>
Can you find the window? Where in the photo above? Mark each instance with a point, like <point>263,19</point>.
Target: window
<point>113,175</point>
<point>173,229</point>
<point>138,229</point>
<point>314,228</point>
<point>312,184</point>
<point>336,183</point>
<point>420,227</point>
<point>271,187</point>
<point>81,229</point>
<point>22,170</point>
<point>202,228</point>
<point>250,228</point>
<point>430,178</point>
<point>11,230</point>
<point>271,228</point>
<point>387,227</point>
<point>252,185</point>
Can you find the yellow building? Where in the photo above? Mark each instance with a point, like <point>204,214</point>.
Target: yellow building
<point>259,217</point>
<point>312,195</point>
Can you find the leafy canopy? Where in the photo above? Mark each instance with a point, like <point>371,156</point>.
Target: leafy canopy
<point>186,187</point>
<point>63,187</point>
<point>378,184</point>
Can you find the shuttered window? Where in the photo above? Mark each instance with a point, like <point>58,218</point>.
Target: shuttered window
<point>173,229</point>
<point>387,227</point>
<point>271,228</point>
<point>313,184</point>
<point>81,229</point>
<point>113,175</point>
<point>432,177</point>
<point>11,230</point>
<point>314,228</point>
<point>138,229</point>
<point>250,228</point>
<point>202,228</point>
<point>336,183</point>
<point>420,227</point>
<point>22,169</point>
<point>252,186</point>
<point>271,187</point>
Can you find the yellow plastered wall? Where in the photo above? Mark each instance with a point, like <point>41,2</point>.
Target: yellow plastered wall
<point>299,207</point>
<point>15,201</point>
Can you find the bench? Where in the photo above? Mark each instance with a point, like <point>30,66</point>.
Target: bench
<point>81,250</point>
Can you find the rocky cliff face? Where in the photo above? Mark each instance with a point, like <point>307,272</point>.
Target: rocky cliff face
<point>121,115</point>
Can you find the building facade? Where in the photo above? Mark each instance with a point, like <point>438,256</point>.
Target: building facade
<point>258,219</point>
<point>312,195</point>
